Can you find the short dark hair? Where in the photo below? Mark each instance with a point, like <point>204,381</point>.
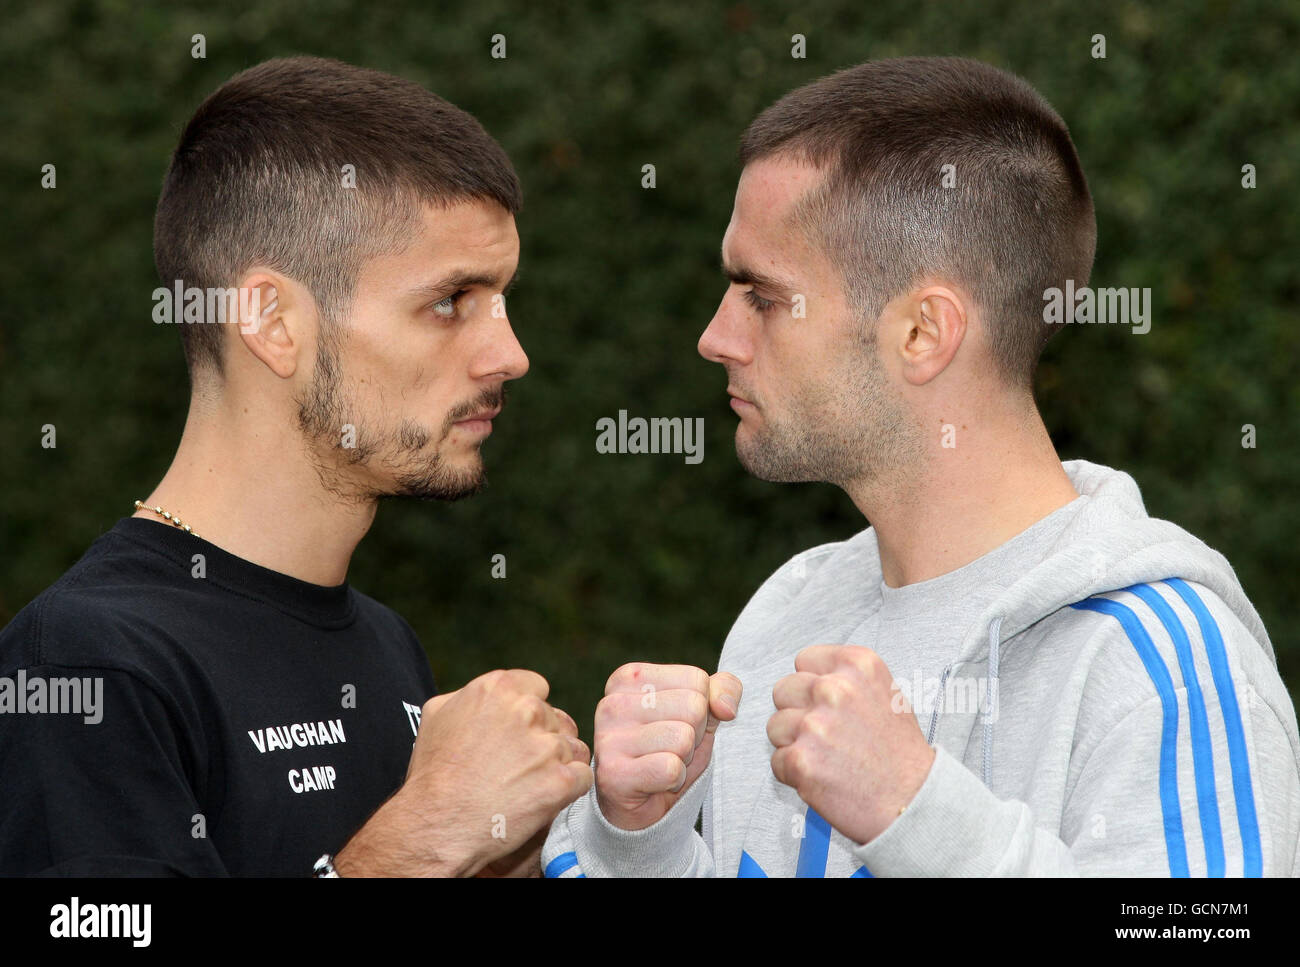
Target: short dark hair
<point>1018,221</point>
<point>258,179</point>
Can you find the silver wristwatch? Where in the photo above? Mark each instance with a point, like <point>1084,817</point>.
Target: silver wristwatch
<point>324,868</point>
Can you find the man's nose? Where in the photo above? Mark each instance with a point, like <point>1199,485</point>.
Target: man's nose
<point>724,339</point>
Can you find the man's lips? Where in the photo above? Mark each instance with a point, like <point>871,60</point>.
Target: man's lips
<point>739,403</point>
<point>479,422</point>
<point>484,415</point>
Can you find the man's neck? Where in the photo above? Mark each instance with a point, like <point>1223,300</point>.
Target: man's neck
<point>964,501</point>
<point>249,486</point>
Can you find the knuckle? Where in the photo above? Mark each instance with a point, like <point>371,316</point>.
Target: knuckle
<point>531,710</point>
<point>778,728</point>
<point>830,690</point>
<point>796,762</point>
<point>523,680</point>
<point>604,714</point>
<point>619,678</point>
<point>611,745</point>
<point>628,674</point>
<point>566,720</point>
<point>558,785</point>
<point>814,726</point>
<point>682,740</point>
<point>869,662</point>
<point>603,748</point>
<point>612,710</point>
<point>490,682</point>
<point>700,680</point>
<point>772,735</point>
<point>697,706</point>
<point>673,770</point>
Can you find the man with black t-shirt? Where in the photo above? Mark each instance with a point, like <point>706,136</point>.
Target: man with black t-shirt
<point>203,693</point>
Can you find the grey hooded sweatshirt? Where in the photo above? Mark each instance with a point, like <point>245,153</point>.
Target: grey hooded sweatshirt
<point>1102,699</point>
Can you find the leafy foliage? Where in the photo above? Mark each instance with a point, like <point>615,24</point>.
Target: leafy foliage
<point>615,558</point>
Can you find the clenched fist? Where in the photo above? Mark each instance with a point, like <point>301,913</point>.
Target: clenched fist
<point>654,737</point>
<point>492,765</point>
<point>841,744</point>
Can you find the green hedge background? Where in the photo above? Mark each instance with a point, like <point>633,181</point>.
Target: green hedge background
<point>615,558</point>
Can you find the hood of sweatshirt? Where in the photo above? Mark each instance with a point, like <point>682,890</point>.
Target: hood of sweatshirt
<point>1110,545</point>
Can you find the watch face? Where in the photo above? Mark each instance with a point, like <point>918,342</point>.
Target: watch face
<point>324,868</point>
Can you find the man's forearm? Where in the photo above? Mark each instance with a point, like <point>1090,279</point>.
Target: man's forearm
<point>382,848</point>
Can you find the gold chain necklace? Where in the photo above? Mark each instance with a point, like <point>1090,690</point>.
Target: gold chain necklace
<point>176,521</point>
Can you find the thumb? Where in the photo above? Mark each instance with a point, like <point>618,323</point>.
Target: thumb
<point>724,698</point>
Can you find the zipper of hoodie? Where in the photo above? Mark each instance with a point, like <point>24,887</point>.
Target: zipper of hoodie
<point>938,701</point>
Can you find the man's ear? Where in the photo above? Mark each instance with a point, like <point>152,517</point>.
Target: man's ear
<point>275,318</point>
<point>933,329</point>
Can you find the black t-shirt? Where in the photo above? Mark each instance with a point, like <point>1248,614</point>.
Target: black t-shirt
<point>166,713</point>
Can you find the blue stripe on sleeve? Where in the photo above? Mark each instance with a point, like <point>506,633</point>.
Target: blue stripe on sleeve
<point>1175,844</point>
<point>815,846</point>
<point>561,864</point>
<point>1248,822</point>
<point>749,868</point>
<point>1207,799</point>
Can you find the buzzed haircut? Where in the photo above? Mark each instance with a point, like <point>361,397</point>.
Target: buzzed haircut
<point>259,179</point>
<point>1017,219</point>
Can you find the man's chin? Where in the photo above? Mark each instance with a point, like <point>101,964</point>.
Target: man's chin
<point>767,463</point>
<point>443,490</point>
<point>441,482</point>
<point>756,465</point>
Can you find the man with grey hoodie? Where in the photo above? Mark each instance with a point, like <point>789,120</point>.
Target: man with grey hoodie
<point>1014,670</point>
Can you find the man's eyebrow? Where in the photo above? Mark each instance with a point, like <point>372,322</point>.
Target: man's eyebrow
<point>744,275</point>
<point>463,279</point>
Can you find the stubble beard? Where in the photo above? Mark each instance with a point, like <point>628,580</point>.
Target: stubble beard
<point>400,459</point>
<point>853,428</point>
